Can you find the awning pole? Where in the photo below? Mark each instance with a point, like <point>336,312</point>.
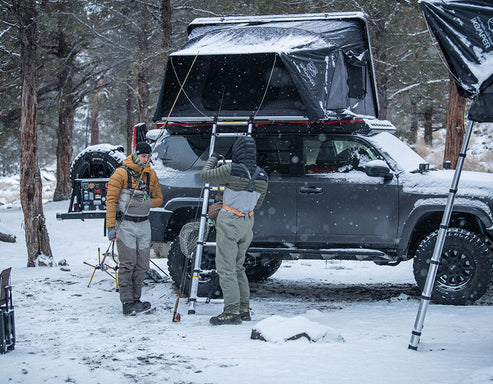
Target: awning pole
<point>437,252</point>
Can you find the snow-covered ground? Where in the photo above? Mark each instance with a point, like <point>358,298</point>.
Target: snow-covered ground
<point>67,332</point>
<point>360,314</point>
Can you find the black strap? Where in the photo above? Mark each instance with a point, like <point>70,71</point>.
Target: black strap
<point>135,219</point>
<point>251,184</point>
<point>131,173</point>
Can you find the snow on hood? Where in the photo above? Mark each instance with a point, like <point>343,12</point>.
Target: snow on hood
<point>438,182</point>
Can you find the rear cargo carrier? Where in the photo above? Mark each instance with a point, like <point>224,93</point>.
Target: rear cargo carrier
<point>306,68</point>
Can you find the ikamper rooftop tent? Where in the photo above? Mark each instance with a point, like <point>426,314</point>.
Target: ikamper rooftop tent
<point>314,67</point>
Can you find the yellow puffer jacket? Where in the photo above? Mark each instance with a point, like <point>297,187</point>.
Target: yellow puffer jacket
<point>118,181</point>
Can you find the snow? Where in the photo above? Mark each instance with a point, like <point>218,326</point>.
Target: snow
<point>396,149</point>
<point>10,190</point>
<point>69,332</point>
<point>279,329</point>
<point>236,41</point>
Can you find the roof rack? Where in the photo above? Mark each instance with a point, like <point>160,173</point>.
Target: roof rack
<point>280,124</point>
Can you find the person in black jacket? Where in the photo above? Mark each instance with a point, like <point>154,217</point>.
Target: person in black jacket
<point>246,187</point>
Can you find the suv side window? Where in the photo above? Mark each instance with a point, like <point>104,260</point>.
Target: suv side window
<point>182,152</point>
<point>274,154</point>
<point>330,154</point>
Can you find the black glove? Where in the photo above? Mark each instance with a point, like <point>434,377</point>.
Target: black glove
<point>111,233</point>
<point>216,155</point>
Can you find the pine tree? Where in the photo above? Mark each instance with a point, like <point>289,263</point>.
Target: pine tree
<point>37,239</point>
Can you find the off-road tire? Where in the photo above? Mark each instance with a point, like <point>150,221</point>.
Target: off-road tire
<point>97,161</point>
<point>465,269</point>
<point>262,267</point>
<point>177,262</point>
<point>256,268</point>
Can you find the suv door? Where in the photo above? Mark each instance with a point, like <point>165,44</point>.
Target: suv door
<point>337,203</point>
<point>275,221</point>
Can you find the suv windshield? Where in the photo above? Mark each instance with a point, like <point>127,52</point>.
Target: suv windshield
<point>401,155</point>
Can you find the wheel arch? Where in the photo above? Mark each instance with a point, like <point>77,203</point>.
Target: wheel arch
<point>427,215</point>
<point>183,210</point>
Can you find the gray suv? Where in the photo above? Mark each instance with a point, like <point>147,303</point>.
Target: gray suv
<point>354,194</point>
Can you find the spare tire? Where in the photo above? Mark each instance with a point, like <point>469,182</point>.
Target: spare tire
<point>97,161</point>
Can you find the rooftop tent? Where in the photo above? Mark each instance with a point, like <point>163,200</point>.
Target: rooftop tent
<point>464,31</point>
<point>313,66</point>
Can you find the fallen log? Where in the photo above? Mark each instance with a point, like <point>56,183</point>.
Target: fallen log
<point>7,238</point>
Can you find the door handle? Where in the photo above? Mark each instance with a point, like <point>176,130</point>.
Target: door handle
<point>311,190</point>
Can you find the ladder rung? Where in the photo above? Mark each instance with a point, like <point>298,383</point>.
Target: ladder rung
<point>232,123</point>
<point>231,134</point>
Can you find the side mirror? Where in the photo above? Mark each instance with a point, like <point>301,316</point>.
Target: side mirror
<point>378,168</point>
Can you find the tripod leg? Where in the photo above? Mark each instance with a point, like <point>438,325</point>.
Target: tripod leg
<point>93,272</point>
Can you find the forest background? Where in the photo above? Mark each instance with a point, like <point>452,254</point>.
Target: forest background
<point>100,65</point>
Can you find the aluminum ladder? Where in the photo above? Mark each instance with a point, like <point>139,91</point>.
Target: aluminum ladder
<point>205,204</point>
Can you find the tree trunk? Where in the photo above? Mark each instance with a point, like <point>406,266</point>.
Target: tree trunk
<point>414,122</point>
<point>66,115</point>
<point>37,239</point>
<point>130,120</point>
<point>428,124</point>
<point>143,100</point>
<point>94,127</point>
<point>455,125</point>
<point>64,148</point>
<point>166,22</point>
<point>142,71</point>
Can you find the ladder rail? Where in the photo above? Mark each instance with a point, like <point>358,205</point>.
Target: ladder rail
<point>205,204</point>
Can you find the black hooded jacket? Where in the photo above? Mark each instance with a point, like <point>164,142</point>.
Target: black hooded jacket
<point>233,175</point>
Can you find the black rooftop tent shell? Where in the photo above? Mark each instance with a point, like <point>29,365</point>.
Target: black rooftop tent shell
<point>312,67</point>
<point>464,32</point>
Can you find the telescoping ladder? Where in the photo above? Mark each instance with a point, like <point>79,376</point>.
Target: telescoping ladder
<point>205,204</point>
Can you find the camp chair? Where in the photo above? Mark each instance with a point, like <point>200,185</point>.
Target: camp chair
<point>7,327</point>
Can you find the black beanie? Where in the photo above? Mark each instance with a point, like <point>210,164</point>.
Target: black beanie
<point>142,147</point>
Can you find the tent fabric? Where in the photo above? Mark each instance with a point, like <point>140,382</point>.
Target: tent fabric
<point>314,68</point>
<point>464,31</point>
<point>481,109</point>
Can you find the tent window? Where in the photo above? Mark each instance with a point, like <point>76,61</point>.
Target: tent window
<point>356,82</point>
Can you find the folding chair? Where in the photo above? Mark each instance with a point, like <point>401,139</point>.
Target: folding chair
<point>7,326</point>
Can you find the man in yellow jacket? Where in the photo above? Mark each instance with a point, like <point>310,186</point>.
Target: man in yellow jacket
<point>133,190</point>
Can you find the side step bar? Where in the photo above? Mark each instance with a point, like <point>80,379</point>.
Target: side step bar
<point>361,254</point>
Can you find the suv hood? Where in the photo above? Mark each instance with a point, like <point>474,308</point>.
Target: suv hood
<point>438,182</point>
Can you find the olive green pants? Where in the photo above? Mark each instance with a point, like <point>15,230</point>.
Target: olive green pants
<point>233,237</point>
<point>134,246</point>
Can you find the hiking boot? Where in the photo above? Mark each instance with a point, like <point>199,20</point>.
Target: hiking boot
<point>141,306</point>
<point>226,318</point>
<point>128,309</point>
<point>245,315</point>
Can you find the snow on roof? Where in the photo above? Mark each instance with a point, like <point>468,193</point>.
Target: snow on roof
<point>252,39</point>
